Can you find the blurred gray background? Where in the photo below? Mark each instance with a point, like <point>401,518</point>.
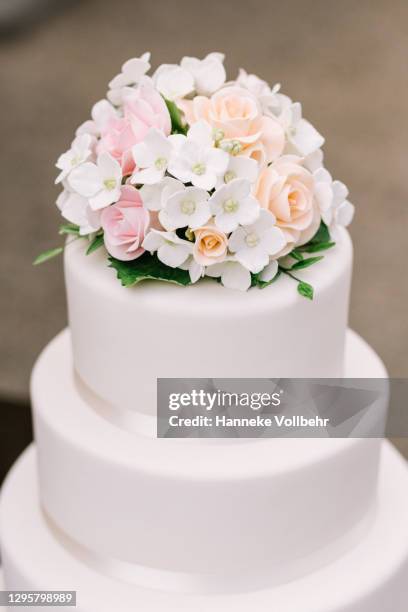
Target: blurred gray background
<point>346,61</point>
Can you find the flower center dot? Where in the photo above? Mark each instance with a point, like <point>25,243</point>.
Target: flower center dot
<point>218,135</point>
<point>188,207</point>
<point>110,184</point>
<point>234,147</point>
<point>199,169</point>
<point>230,206</point>
<point>229,176</point>
<point>252,240</point>
<point>160,163</point>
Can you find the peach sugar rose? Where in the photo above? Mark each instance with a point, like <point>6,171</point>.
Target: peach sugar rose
<point>210,245</point>
<point>235,113</point>
<point>286,188</point>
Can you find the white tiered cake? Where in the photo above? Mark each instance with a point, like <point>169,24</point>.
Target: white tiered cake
<point>179,177</point>
<point>133,522</point>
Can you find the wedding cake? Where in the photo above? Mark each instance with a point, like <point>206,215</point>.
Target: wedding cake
<point>210,203</point>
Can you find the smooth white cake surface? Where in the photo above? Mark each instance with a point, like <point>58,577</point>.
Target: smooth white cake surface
<point>369,578</point>
<point>124,338</point>
<point>233,506</point>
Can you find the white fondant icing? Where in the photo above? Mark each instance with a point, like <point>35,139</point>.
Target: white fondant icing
<point>370,578</point>
<point>124,338</point>
<point>182,505</point>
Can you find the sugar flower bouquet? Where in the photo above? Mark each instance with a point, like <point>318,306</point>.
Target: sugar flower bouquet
<point>182,175</point>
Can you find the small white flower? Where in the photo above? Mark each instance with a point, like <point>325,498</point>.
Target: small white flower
<point>232,204</point>
<point>272,102</point>
<point>100,182</point>
<point>186,208</point>
<point>173,82</point>
<point>132,71</point>
<point>208,73</point>
<point>101,113</point>
<point>195,270</point>
<point>331,197</point>
<point>171,250</point>
<point>80,151</point>
<point>151,157</point>
<point>240,167</point>
<point>196,160</point>
<point>155,196</point>
<point>303,138</point>
<point>254,244</point>
<point>233,274</point>
<point>313,161</point>
<point>270,271</point>
<point>253,83</point>
<point>75,209</point>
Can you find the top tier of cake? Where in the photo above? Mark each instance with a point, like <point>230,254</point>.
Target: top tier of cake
<point>124,338</point>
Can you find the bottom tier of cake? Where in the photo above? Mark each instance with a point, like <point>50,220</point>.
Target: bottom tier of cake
<point>372,577</point>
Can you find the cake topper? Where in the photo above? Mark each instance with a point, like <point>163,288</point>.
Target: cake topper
<point>182,175</point>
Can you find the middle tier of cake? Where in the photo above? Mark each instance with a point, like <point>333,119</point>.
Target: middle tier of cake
<point>268,509</point>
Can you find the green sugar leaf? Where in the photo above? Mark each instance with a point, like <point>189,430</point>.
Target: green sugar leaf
<point>69,228</point>
<point>147,267</point>
<point>322,235</point>
<point>177,126</point>
<point>95,244</point>
<point>305,263</point>
<point>319,246</point>
<point>46,255</point>
<point>305,290</point>
<point>296,254</point>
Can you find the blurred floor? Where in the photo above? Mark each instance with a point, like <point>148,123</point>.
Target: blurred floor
<point>345,61</point>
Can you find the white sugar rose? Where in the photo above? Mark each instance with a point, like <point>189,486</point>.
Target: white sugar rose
<point>210,245</point>
<point>286,189</point>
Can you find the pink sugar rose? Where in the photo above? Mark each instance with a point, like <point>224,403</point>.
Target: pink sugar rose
<point>143,109</point>
<point>125,225</point>
<point>237,116</point>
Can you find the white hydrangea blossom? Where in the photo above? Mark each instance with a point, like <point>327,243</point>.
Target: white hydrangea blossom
<point>195,159</point>
<point>80,152</point>
<point>186,208</point>
<point>152,158</point>
<point>194,269</point>
<point>232,205</point>
<point>331,197</point>
<point>254,244</point>
<point>233,274</point>
<point>240,167</point>
<point>303,138</point>
<point>100,182</point>
<point>155,196</point>
<point>208,74</point>
<point>171,250</point>
<point>102,112</point>
<point>132,72</point>
<point>75,209</point>
<point>173,82</point>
